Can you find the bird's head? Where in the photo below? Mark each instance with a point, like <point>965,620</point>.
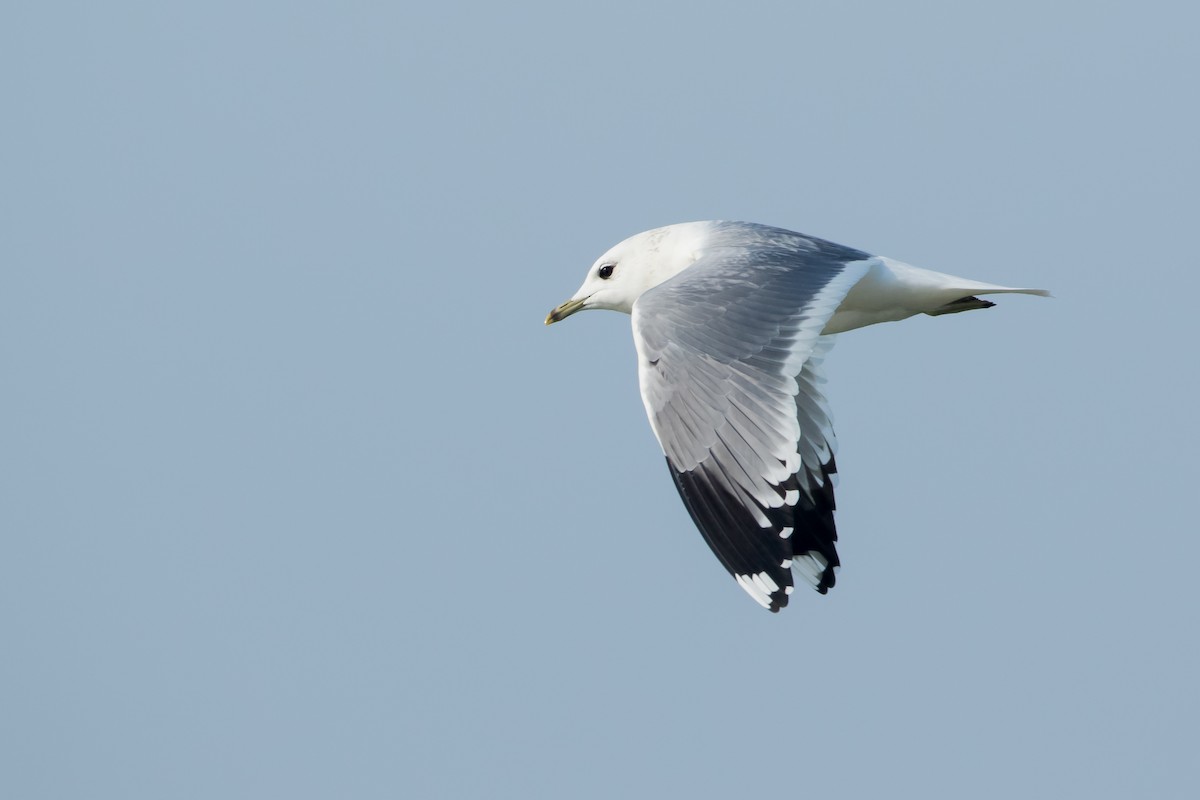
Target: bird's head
<point>641,262</point>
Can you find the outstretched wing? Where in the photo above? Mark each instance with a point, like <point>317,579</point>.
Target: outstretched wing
<point>728,354</point>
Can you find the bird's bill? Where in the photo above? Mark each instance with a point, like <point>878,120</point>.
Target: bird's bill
<point>565,310</point>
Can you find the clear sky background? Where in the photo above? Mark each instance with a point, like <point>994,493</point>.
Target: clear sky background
<point>299,498</point>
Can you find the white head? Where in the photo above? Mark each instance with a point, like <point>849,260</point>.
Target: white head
<point>641,262</point>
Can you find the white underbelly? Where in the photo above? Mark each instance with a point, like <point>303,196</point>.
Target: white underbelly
<point>890,291</point>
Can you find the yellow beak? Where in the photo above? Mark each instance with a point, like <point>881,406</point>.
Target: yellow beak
<point>565,310</point>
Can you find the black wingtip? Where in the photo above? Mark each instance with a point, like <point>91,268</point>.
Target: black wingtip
<point>746,548</point>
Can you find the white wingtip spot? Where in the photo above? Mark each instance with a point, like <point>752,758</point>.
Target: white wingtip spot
<point>811,566</point>
<point>786,563</point>
<point>785,533</point>
<point>791,497</point>
<point>754,590</point>
<point>766,583</point>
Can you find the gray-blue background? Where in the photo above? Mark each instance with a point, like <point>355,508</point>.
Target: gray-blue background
<point>299,498</point>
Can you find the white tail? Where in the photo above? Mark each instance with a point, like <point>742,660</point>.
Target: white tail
<point>892,290</point>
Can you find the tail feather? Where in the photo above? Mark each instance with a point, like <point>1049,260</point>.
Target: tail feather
<point>892,290</point>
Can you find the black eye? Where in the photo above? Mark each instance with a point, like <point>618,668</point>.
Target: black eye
<point>605,272</point>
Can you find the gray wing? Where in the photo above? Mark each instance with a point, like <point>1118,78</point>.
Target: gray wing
<point>729,354</point>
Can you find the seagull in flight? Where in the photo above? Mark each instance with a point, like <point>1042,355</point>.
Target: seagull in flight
<point>731,321</point>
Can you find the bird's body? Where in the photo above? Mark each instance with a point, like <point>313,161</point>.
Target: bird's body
<point>731,321</point>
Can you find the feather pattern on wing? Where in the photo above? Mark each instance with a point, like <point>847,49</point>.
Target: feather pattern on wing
<point>729,355</point>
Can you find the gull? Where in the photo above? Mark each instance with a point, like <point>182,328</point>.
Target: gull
<point>731,322</point>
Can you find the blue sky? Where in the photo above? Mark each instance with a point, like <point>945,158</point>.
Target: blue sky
<point>298,496</point>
